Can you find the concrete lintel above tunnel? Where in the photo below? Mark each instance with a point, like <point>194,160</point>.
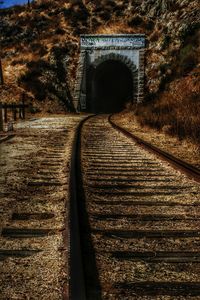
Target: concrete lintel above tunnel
<point>110,72</point>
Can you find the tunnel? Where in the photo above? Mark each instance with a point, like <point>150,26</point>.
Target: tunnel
<point>110,87</point>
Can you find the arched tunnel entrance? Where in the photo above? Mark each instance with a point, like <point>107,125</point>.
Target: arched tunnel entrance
<point>110,87</point>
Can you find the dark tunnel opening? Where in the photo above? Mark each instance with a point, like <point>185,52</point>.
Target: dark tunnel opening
<point>111,87</point>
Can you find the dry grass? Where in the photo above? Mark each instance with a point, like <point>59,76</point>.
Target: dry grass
<point>117,27</point>
<point>176,111</point>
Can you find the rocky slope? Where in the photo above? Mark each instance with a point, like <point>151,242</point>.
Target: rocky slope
<point>39,45</point>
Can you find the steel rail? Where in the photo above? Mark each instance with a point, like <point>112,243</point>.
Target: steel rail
<point>77,283</point>
<point>191,171</point>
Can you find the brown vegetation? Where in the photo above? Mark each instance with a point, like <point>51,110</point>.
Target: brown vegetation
<point>176,110</point>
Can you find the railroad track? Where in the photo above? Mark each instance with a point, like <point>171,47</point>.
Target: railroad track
<point>138,220</point>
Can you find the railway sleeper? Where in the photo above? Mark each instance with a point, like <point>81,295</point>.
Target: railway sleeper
<point>159,288</point>
<point>20,253</point>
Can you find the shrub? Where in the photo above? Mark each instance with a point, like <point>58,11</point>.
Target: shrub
<point>166,41</point>
<point>164,67</point>
<point>175,111</point>
<point>188,59</point>
<point>59,31</point>
<point>188,30</point>
<point>135,21</point>
<point>154,37</point>
<point>105,15</point>
<point>110,3</point>
<point>149,25</point>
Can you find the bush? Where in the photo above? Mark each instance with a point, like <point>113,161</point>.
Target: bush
<point>135,21</point>
<point>59,31</point>
<point>164,67</point>
<point>188,59</point>
<point>149,25</point>
<point>154,37</point>
<point>176,111</point>
<point>166,41</point>
<point>105,15</point>
<point>188,30</point>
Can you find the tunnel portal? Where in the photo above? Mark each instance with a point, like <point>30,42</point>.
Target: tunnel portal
<point>110,87</point>
<point>110,72</point>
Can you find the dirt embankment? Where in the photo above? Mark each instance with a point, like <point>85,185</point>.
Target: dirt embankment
<point>40,44</point>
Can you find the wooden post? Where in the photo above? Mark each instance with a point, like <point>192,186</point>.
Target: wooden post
<point>5,113</point>
<point>20,111</point>
<point>1,118</point>
<point>1,74</point>
<point>14,112</point>
<point>23,106</point>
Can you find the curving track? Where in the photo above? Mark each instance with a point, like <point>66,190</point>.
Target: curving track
<point>139,220</point>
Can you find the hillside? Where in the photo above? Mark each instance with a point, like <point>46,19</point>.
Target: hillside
<point>40,44</point>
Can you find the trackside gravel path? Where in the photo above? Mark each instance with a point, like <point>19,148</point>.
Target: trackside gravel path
<point>34,180</point>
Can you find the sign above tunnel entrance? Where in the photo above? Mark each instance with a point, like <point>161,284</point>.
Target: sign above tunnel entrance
<point>112,41</point>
